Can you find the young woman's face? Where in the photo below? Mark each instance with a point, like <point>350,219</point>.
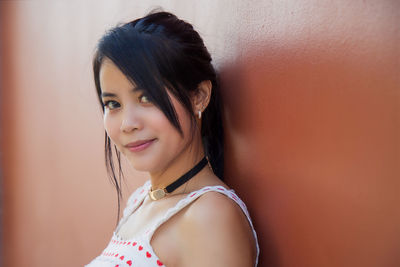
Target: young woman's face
<point>136,126</point>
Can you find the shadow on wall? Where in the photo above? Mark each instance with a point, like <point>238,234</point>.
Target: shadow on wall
<point>312,138</point>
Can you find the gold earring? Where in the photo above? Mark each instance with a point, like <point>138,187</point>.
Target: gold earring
<point>199,113</point>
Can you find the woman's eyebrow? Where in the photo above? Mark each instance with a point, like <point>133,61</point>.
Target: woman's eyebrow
<point>133,90</point>
<point>136,89</point>
<point>105,94</point>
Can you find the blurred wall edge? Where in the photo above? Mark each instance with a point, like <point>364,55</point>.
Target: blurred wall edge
<point>311,108</point>
<point>1,171</point>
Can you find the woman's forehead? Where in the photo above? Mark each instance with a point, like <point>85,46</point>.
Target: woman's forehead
<point>112,78</point>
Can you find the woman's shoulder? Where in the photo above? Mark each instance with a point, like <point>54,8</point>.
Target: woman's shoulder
<point>217,209</point>
<point>217,225</point>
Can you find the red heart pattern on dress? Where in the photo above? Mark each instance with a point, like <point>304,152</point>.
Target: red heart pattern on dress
<point>140,247</point>
<point>148,255</point>
<point>159,263</point>
<point>129,263</point>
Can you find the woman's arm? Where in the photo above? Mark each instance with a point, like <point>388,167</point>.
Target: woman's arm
<point>215,232</point>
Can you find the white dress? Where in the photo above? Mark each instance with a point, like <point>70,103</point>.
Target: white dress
<point>138,251</point>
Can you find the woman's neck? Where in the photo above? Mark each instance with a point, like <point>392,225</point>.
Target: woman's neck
<point>176,168</point>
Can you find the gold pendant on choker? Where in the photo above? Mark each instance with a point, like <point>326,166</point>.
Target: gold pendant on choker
<point>160,193</point>
<point>157,194</point>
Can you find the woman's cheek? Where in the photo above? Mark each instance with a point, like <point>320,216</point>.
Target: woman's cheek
<point>112,128</point>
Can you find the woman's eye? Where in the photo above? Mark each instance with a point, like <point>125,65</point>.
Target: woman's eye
<point>111,104</point>
<point>144,99</point>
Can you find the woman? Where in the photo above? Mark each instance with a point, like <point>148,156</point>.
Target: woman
<point>159,93</point>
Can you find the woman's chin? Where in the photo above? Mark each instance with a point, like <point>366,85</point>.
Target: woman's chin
<point>143,166</point>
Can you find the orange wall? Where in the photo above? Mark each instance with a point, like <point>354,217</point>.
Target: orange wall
<point>312,105</point>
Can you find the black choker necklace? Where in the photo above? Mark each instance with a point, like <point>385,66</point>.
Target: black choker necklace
<point>160,193</point>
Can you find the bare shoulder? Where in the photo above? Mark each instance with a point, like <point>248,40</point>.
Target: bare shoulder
<point>215,232</point>
<point>213,207</point>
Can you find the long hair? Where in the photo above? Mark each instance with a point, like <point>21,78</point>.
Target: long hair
<point>160,52</point>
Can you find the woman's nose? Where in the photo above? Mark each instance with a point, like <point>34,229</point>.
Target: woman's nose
<point>131,121</point>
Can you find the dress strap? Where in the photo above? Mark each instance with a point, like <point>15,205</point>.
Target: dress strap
<point>195,195</point>
<point>134,201</point>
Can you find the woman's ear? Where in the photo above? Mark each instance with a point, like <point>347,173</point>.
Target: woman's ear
<point>202,97</point>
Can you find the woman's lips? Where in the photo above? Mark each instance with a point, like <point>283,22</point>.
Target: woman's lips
<point>139,145</point>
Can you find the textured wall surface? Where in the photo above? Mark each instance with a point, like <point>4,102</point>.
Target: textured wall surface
<point>312,113</point>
